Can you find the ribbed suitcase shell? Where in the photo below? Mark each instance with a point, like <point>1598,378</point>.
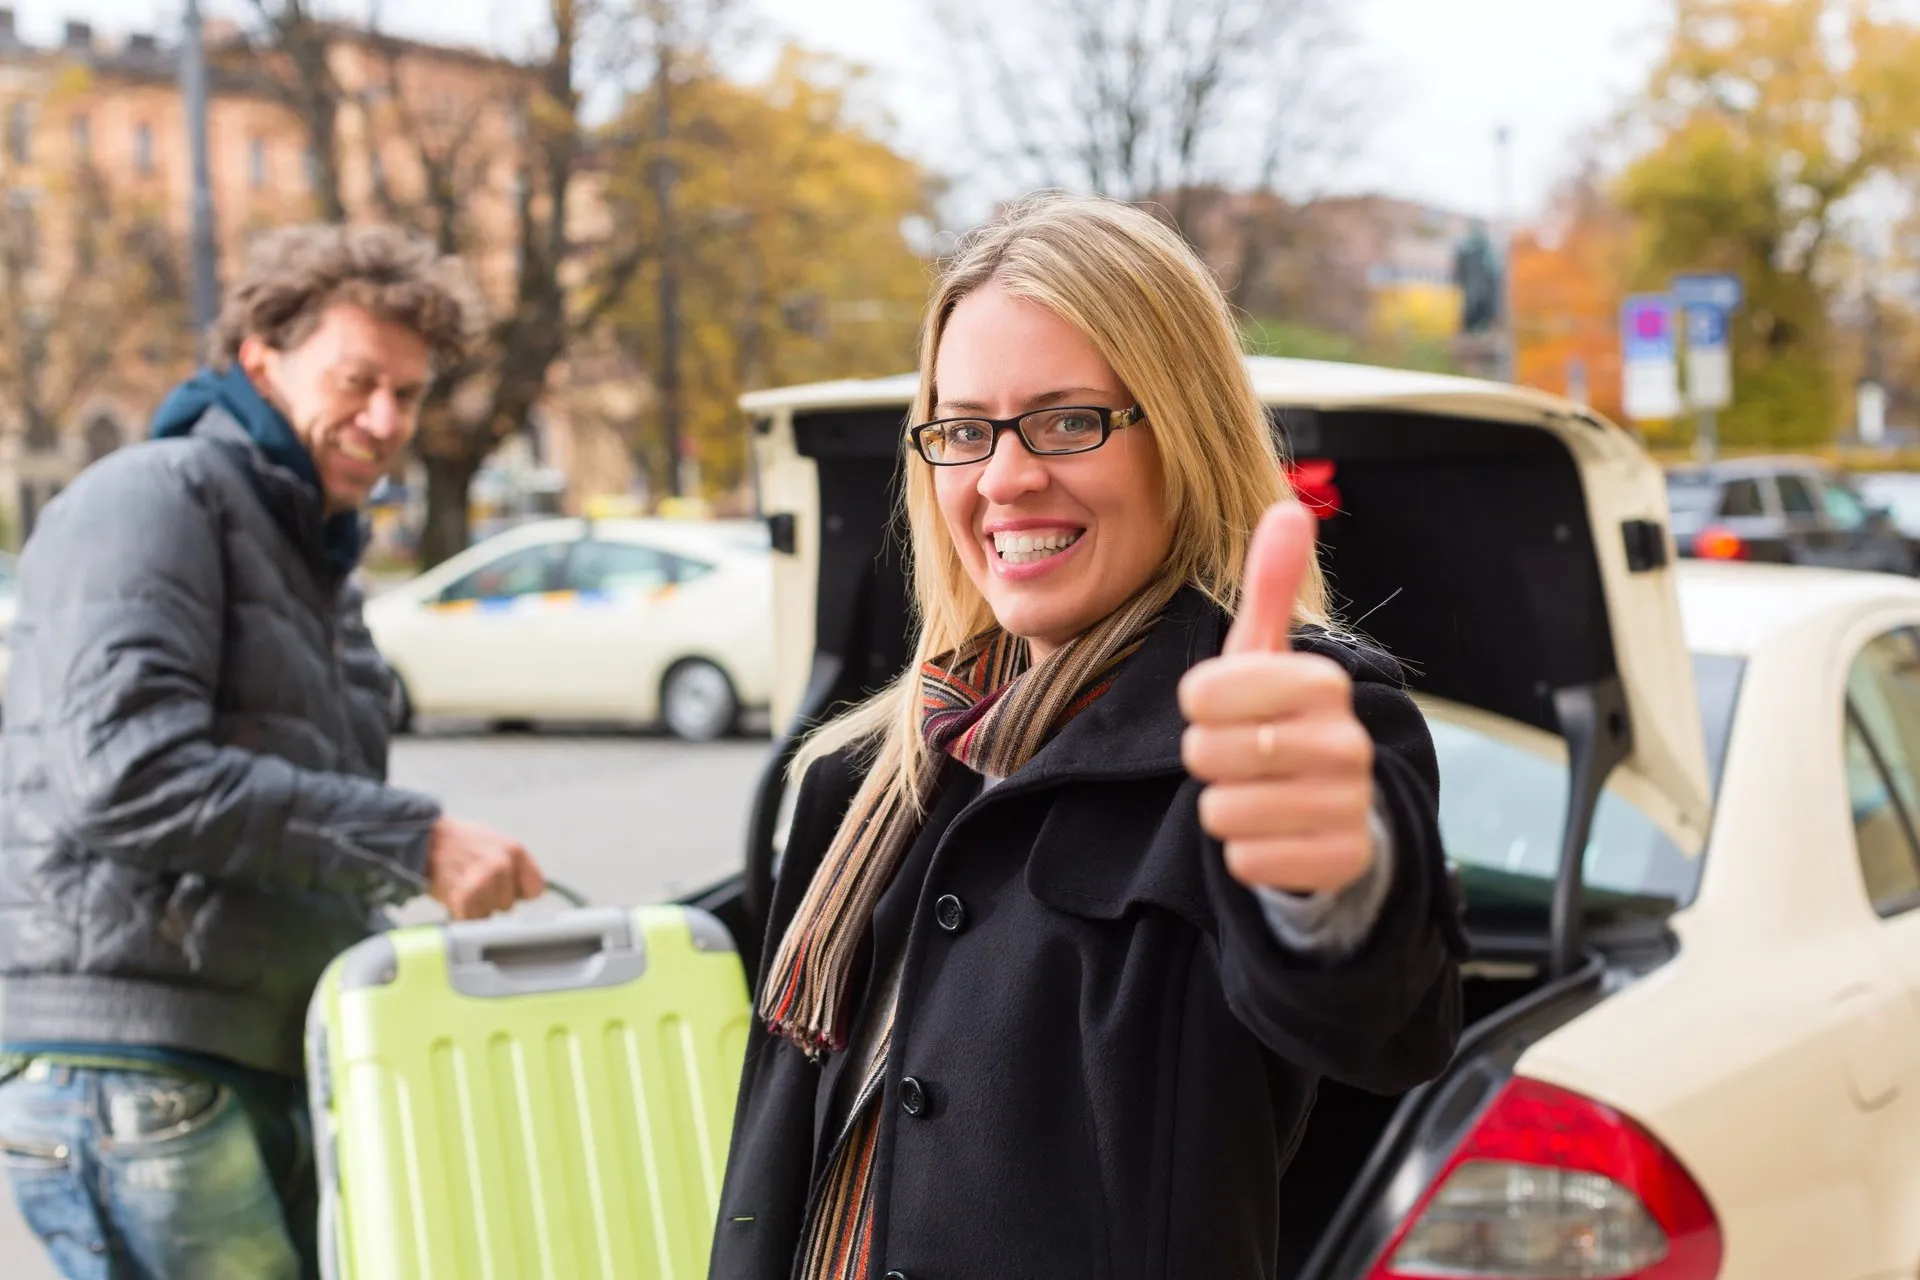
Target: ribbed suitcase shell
<point>501,1100</point>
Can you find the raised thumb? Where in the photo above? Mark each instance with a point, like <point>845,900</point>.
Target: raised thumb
<point>1277,561</point>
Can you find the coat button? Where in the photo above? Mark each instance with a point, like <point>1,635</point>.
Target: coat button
<point>896,1275</point>
<point>913,1097</point>
<point>951,913</point>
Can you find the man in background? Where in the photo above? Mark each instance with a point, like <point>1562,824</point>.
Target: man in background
<point>194,813</point>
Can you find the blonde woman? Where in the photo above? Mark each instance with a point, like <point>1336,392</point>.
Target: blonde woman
<point>1073,916</point>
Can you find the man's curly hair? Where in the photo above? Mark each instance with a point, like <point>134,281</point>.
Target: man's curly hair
<point>293,274</point>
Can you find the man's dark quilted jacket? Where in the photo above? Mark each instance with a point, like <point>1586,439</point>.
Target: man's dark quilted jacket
<point>193,812</point>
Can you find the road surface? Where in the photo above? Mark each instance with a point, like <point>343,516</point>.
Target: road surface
<point>621,818</point>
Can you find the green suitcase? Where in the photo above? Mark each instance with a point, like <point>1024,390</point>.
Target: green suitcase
<point>527,1100</point>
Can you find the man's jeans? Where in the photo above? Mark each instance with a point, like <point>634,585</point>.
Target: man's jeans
<point>129,1176</point>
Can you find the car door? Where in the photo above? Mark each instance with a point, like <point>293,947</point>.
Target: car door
<point>478,646</point>
<point>1745,511</point>
<point>1810,538</point>
<point>1877,1023</point>
<point>606,652</point>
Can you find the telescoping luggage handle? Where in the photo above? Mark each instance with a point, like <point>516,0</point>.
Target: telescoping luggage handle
<point>586,948</point>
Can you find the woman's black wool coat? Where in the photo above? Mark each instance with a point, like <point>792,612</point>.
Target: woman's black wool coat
<point>1111,1058</point>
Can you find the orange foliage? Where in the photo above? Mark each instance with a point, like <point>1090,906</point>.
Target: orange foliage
<point>1569,277</point>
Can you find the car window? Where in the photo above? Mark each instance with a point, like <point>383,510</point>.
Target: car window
<point>1742,498</point>
<point>1844,507</point>
<point>1502,809</point>
<point>527,571</point>
<point>1796,496</point>
<point>1899,493</point>
<point>1883,768</point>
<point>618,566</point>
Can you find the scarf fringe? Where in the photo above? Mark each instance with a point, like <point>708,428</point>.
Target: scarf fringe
<point>984,705</point>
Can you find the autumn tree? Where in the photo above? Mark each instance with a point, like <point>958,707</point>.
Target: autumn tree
<point>1770,119</point>
<point>787,245</point>
<point>1569,279</point>
<point>300,41</point>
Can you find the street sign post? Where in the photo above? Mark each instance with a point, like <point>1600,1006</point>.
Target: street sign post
<point>1707,299</point>
<point>1650,374</point>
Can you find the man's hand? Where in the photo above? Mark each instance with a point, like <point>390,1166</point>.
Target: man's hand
<point>1274,733</point>
<point>475,871</point>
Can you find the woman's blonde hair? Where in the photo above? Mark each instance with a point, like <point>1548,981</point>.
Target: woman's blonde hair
<point>1133,287</point>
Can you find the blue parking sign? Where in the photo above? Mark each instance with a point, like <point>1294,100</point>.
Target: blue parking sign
<point>1707,291</point>
<point>1706,328</point>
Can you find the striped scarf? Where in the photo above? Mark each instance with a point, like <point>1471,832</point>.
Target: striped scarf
<point>982,704</point>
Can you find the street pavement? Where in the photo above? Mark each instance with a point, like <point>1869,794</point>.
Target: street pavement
<point>620,817</point>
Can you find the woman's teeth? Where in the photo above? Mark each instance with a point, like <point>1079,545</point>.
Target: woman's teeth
<point>1025,548</point>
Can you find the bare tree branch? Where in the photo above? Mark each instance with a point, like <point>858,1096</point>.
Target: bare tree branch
<point>1146,99</point>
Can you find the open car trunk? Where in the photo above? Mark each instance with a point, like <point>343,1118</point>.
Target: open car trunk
<point>1492,539</point>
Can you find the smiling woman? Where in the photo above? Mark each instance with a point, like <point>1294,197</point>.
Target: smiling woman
<point>1073,916</point>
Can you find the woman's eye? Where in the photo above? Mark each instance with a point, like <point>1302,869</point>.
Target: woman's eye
<point>962,435</point>
<point>1073,424</point>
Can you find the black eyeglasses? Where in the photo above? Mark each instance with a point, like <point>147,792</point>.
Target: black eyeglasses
<point>955,442</point>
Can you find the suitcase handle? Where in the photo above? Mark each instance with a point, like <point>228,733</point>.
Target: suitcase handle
<point>579,951</point>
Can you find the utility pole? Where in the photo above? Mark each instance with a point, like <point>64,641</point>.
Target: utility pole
<point>1509,339</point>
<point>193,87</point>
<point>678,468</point>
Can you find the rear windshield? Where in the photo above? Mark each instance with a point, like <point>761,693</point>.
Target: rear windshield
<point>1502,809</point>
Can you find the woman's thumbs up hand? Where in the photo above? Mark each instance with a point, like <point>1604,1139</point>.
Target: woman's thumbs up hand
<point>1289,767</point>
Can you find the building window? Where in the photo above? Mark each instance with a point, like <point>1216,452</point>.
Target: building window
<point>82,138</point>
<point>257,163</point>
<point>143,149</point>
<point>20,132</point>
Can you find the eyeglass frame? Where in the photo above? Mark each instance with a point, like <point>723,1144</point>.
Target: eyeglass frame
<point>1111,420</point>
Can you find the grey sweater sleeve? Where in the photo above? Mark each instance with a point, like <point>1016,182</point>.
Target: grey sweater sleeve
<point>1334,925</point>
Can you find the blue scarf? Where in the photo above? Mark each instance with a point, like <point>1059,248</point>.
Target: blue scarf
<point>233,391</point>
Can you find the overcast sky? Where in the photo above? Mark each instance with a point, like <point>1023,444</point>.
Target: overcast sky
<point>1442,75</point>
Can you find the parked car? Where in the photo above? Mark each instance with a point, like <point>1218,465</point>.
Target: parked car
<point>613,620</point>
<point>1693,1027</point>
<point>1784,511</point>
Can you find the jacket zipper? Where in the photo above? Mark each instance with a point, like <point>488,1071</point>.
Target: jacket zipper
<point>860,1103</point>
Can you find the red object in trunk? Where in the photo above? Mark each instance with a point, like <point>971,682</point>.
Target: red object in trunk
<point>1550,1184</point>
<point>1312,481</point>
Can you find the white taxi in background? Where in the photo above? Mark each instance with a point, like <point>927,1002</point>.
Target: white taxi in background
<point>612,620</point>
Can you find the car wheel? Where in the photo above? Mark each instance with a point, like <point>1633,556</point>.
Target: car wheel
<point>697,702</point>
<point>401,706</point>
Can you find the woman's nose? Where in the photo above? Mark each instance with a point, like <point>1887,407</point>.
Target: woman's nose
<point>1013,470</point>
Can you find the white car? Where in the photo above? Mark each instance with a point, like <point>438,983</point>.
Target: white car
<point>1682,802</point>
<point>1750,1083</point>
<point>610,620</point>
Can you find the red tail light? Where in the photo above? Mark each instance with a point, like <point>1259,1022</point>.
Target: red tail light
<point>1550,1184</point>
<point>1715,543</point>
<point>1312,481</point>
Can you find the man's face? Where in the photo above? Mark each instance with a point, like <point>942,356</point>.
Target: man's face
<point>352,393</point>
